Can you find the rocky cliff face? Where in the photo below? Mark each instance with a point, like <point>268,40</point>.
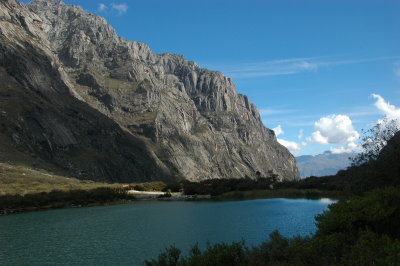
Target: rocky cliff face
<point>42,121</point>
<point>186,121</point>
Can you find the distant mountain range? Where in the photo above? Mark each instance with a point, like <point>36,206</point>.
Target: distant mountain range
<point>323,164</point>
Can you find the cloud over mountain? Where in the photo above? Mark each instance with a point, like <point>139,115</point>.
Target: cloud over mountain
<point>293,146</point>
<point>118,8</point>
<point>335,129</point>
<point>102,7</point>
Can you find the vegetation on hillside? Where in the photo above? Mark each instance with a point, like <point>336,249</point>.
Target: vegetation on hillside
<point>374,140</point>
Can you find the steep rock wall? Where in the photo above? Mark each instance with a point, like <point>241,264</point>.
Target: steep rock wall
<point>157,116</point>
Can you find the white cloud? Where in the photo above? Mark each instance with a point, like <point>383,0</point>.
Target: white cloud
<point>317,137</point>
<point>270,111</point>
<point>301,134</point>
<point>270,68</point>
<point>294,147</point>
<point>390,111</point>
<point>290,66</point>
<point>341,150</point>
<point>335,129</point>
<point>304,65</point>
<point>120,8</point>
<point>278,130</point>
<point>102,7</point>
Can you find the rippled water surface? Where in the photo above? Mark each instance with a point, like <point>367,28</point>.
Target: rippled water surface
<point>129,234</point>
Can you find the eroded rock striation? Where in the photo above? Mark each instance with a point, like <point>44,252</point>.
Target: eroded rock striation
<point>129,112</point>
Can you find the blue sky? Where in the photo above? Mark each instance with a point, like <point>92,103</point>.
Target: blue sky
<point>321,70</point>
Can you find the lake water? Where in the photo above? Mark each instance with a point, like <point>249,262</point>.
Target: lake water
<point>128,234</point>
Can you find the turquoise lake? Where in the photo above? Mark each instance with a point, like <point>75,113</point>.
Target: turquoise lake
<point>130,233</point>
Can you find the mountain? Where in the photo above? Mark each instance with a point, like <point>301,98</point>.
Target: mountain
<point>323,164</point>
<point>80,100</point>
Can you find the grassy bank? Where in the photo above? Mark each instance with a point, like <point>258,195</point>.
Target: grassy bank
<point>25,189</point>
<point>22,180</point>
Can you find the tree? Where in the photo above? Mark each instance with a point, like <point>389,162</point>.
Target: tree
<point>375,139</point>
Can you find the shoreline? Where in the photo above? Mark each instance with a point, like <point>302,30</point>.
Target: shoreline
<point>159,195</point>
<point>132,196</point>
<point>4,212</point>
<point>289,193</point>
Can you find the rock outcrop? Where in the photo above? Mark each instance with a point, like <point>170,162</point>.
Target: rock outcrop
<point>92,94</point>
<point>42,121</point>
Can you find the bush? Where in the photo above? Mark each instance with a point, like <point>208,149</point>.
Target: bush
<point>219,186</point>
<point>151,186</point>
<point>218,254</point>
<point>375,139</point>
<point>377,211</point>
<point>58,199</point>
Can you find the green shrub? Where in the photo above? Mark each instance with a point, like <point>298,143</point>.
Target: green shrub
<point>377,211</point>
<point>214,255</point>
<point>151,186</point>
<point>60,198</point>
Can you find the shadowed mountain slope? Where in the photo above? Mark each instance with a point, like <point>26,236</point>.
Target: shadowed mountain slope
<point>86,102</point>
